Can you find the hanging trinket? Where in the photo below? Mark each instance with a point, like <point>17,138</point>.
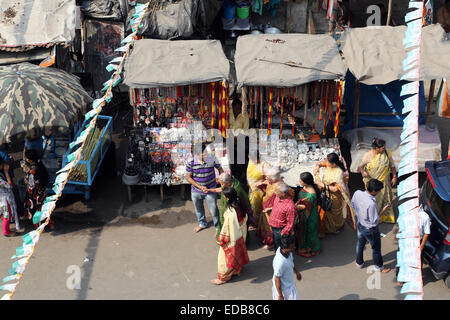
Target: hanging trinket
<point>269,126</point>
<point>326,106</point>
<point>227,107</point>
<point>338,110</point>
<point>261,102</point>
<point>293,110</point>
<point>220,107</point>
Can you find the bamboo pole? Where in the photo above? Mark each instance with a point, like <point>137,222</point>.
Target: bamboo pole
<point>389,13</point>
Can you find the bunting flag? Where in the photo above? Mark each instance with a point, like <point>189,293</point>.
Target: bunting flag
<point>50,60</point>
<point>330,9</point>
<point>443,100</point>
<point>338,110</point>
<point>269,125</point>
<point>408,256</point>
<point>30,240</point>
<point>427,18</point>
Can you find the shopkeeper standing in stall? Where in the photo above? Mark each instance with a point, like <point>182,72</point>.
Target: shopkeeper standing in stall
<point>201,175</point>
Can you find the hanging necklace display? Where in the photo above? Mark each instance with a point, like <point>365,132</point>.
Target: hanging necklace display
<point>293,111</point>
<point>282,104</point>
<point>338,110</point>
<point>322,98</point>
<point>220,107</point>
<point>227,106</point>
<point>251,98</point>
<point>261,116</point>
<point>269,126</point>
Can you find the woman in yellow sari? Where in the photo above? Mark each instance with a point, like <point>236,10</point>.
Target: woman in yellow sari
<point>255,175</point>
<point>378,164</point>
<point>331,174</point>
<point>232,252</point>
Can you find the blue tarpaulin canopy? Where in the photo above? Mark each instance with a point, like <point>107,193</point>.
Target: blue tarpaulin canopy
<point>383,98</point>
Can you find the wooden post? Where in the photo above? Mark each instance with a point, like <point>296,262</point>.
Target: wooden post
<point>356,111</point>
<point>389,13</point>
<point>431,95</point>
<point>161,190</point>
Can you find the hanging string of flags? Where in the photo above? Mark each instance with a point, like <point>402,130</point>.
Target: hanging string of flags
<point>25,251</point>
<point>408,255</point>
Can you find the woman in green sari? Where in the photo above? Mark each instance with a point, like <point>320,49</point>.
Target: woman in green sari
<point>307,221</point>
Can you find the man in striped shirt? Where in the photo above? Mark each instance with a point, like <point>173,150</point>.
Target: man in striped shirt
<point>201,175</point>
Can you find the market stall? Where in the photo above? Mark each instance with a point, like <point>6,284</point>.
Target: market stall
<point>44,107</point>
<point>375,58</point>
<point>177,89</point>
<point>287,76</point>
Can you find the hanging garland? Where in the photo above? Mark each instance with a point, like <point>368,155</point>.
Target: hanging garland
<point>26,250</point>
<point>338,110</point>
<point>269,126</point>
<point>213,89</point>
<point>408,256</point>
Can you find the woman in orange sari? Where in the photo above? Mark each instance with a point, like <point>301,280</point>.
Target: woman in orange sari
<point>233,252</point>
<point>331,174</point>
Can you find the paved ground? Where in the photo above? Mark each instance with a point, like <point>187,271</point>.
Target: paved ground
<point>147,250</point>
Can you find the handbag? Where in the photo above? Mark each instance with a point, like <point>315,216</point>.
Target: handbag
<point>324,199</point>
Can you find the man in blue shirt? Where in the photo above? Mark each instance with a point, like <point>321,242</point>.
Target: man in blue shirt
<point>367,217</point>
<point>283,271</point>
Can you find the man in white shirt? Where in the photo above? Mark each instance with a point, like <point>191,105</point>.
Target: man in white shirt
<point>425,228</point>
<point>283,271</point>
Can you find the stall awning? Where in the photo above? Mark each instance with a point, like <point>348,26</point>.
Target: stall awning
<point>164,63</point>
<point>286,60</point>
<point>26,24</point>
<point>375,54</point>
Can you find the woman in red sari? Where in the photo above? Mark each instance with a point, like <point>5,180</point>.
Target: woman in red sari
<point>233,252</point>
